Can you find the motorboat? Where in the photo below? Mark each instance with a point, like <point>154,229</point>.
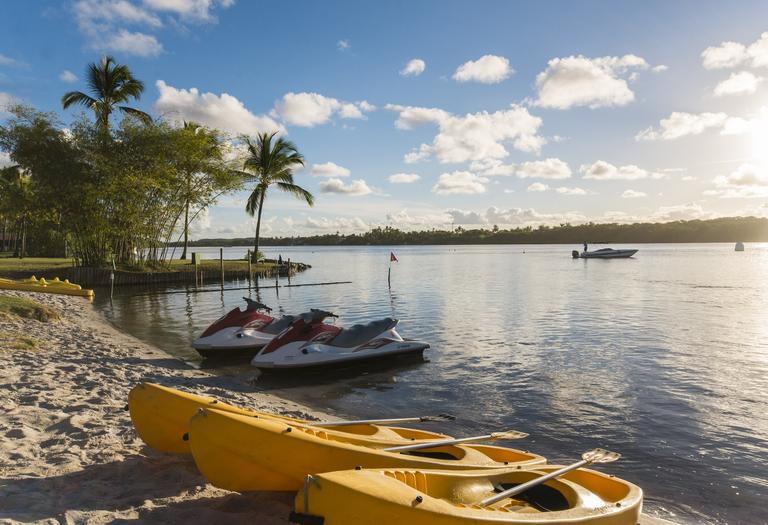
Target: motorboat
<point>310,342</point>
<point>603,253</point>
<point>241,332</point>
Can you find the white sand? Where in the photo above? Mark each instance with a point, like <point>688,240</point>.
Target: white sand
<point>68,451</point>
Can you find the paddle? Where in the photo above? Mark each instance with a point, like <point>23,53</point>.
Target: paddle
<point>510,434</point>
<point>421,419</point>
<point>596,455</point>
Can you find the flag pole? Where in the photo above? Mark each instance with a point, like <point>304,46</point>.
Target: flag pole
<point>389,274</point>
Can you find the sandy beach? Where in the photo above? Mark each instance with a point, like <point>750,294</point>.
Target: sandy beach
<point>69,453</point>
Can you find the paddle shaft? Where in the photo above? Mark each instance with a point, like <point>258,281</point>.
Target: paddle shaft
<point>529,484</point>
<point>432,444</point>
<point>393,421</point>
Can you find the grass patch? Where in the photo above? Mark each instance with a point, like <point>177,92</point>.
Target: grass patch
<point>26,308</point>
<point>32,264</point>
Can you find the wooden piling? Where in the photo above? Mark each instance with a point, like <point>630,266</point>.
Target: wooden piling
<point>221,264</point>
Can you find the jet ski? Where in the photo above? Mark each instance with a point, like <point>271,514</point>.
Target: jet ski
<point>241,332</point>
<point>309,342</point>
<point>604,253</point>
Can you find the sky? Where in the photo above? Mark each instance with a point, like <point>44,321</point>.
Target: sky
<point>437,114</point>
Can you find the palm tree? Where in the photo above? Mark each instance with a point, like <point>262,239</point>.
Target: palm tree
<point>110,84</point>
<point>271,164</point>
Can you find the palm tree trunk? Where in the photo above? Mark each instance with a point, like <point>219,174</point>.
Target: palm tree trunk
<point>255,256</point>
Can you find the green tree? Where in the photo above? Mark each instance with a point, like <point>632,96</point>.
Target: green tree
<point>271,164</point>
<point>110,84</point>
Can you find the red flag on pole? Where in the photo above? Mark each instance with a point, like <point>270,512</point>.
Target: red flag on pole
<point>392,257</point>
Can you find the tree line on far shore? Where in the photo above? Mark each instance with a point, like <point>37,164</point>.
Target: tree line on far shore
<point>728,229</point>
<point>100,191</point>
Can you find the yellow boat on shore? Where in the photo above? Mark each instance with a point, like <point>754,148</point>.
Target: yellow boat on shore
<point>241,453</point>
<point>415,497</point>
<point>161,417</point>
<point>44,286</point>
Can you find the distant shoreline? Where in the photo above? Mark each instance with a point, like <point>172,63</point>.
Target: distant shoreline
<point>723,230</point>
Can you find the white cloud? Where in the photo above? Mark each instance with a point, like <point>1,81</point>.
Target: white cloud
<point>459,182</point>
<point>403,178</point>
<point>680,124</point>
<point>512,217</point>
<point>472,137</point>
<point>67,76</point>
<point>337,224</point>
<point>414,68</point>
<point>133,43</point>
<point>746,181</point>
<point>223,111</point>
<point>488,69</point>
<point>193,10</point>
<point>633,194</point>
<point>687,178</point>
<point>404,219</point>
<point>329,169</point>
<point>343,45</point>
<point>660,68</point>
<point>5,159</point>
<point>741,83</point>
<point>7,100</point>
<point>492,168</point>
<point>732,54</point>
<point>8,61</point>
<point>602,170</point>
<point>564,190</point>
<point>581,81</point>
<point>311,109</point>
<point>537,187</point>
<point>355,188</point>
<point>544,169</point>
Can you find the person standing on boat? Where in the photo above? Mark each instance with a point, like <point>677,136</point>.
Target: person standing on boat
<point>585,246</point>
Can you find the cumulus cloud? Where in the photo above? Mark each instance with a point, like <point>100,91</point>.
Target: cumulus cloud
<point>733,54</point>
<point>133,43</point>
<point>403,178</point>
<point>580,81</point>
<point>512,217</point>
<point>544,169</point>
<point>343,45</point>
<point>7,100</point>
<point>12,62</point>
<point>67,76</point>
<point>459,182</point>
<point>329,169</point>
<point>488,69</point>
<point>492,168</point>
<point>564,190</point>
<point>404,219</point>
<point>472,137</point>
<point>192,10</point>
<point>537,187</point>
<point>414,68</point>
<point>741,83</point>
<point>632,194</point>
<point>223,111</point>
<point>311,109</point>
<point>680,124</point>
<point>602,170</point>
<point>746,181</point>
<point>355,188</point>
<point>336,224</point>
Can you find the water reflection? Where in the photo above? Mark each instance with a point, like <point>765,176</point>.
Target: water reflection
<point>663,357</point>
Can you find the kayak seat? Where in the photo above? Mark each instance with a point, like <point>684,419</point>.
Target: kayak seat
<point>360,333</point>
<point>278,325</point>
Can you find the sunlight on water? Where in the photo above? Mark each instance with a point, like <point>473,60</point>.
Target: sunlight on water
<point>663,357</point>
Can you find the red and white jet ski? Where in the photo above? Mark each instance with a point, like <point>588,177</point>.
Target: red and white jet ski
<point>309,342</point>
<point>241,332</point>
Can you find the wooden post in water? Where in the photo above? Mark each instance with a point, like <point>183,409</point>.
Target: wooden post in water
<point>250,269</point>
<point>289,270</point>
<point>221,265</point>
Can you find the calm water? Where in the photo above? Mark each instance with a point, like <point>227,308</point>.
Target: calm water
<point>663,357</point>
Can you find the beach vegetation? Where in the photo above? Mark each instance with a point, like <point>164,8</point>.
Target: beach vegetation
<point>26,308</point>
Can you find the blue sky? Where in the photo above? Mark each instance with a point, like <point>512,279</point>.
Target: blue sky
<point>427,114</point>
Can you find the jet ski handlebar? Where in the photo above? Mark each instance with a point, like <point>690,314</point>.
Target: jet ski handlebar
<point>316,315</point>
<point>256,305</point>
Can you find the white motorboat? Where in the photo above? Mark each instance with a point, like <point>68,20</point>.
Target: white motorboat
<point>604,253</point>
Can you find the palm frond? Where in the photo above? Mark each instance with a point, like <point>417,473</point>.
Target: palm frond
<point>77,97</point>
<point>144,117</point>
<point>297,191</point>
<point>252,205</point>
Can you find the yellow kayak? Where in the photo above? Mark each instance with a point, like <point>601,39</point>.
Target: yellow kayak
<point>415,497</point>
<point>42,285</point>
<point>161,417</point>
<point>241,453</point>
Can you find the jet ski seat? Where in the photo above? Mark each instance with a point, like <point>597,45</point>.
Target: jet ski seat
<point>360,333</point>
<point>278,325</point>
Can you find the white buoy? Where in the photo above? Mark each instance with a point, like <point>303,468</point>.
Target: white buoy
<point>739,246</point>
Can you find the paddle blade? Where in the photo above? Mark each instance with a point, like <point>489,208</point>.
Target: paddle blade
<point>509,434</point>
<point>599,455</point>
<point>438,417</point>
